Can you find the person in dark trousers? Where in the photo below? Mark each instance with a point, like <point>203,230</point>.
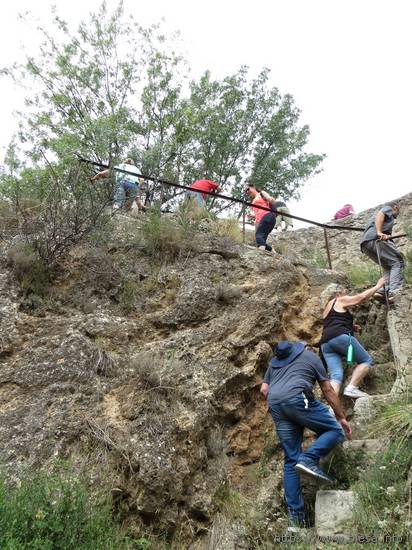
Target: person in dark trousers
<point>288,388</point>
<point>338,334</point>
<point>376,243</point>
<point>264,220</point>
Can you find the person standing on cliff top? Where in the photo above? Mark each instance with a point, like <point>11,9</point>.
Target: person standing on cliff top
<point>264,220</point>
<point>376,244</point>
<point>288,388</point>
<point>347,210</point>
<point>127,185</point>
<point>199,190</point>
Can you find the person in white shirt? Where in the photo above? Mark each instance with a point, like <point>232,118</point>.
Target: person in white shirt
<point>127,185</point>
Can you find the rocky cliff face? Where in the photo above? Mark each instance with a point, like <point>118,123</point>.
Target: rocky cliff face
<point>153,383</point>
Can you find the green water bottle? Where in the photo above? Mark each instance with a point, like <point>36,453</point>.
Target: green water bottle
<point>350,353</point>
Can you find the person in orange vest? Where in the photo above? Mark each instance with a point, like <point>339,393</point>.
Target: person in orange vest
<point>264,220</point>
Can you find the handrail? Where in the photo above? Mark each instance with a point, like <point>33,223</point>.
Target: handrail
<point>220,196</point>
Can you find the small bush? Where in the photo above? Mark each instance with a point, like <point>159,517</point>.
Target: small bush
<point>395,423</point>
<point>363,275</point>
<point>9,220</point>
<point>163,238</point>
<point>55,511</point>
<point>316,257</point>
<point>227,227</point>
<point>28,268</point>
<point>189,217</point>
<point>127,295</point>
<point>321,260</point>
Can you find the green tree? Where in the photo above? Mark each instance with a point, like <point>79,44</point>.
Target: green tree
<point>162,129</point>
<point>85,84</point>
<point>112,88</point>
<point>244,129</point>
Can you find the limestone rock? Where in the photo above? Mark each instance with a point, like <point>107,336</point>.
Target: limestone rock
<point>333,511</point>
<point>400,330</point>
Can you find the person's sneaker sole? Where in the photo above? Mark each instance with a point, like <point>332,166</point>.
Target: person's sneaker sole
<point>301,468</point>
<point>355,395</point>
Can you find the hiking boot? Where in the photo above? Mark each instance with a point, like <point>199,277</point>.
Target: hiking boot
<point>353,391</point>
<point>313,470</point>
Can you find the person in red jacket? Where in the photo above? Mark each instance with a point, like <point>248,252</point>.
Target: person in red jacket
<point>200,190</point>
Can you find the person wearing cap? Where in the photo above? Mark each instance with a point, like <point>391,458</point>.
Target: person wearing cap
<point>127,185</point>
<point>377,245</point>
<point>264,220</point>
<point>288,387</point>
<point>347,210</point>
<point>199,190</point>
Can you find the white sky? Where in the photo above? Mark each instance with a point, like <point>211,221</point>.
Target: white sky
<point>346,62</point>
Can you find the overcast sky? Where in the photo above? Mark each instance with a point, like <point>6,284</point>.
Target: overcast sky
<point>346,62</point>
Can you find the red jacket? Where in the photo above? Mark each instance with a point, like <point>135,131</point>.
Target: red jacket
<point>204,185</point>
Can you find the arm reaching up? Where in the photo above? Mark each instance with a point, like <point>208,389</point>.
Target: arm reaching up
<point>333,400</point>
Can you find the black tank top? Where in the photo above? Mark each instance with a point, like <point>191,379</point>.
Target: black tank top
<point>336,323</point>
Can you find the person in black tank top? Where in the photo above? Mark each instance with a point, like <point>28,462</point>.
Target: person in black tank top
<point>338,333</point>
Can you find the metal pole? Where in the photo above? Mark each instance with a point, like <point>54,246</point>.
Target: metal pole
<point>380,267</point>
<point>243,223</point>
<point>327,248</point>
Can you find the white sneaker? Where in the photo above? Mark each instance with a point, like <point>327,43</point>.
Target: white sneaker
<point>353,391</point>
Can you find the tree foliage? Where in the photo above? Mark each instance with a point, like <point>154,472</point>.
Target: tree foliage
<point>113,88</point>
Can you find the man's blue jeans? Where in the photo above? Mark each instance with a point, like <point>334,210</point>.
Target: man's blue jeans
<point>126,192</point>
<point>291,417</point>
<point>197,196</point>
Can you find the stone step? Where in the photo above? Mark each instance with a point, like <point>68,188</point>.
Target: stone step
<point>333,511</point>
<point>366,410</point>
<point>369,446</point>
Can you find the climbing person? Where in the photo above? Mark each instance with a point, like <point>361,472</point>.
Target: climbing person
<point>127,185</point>
<point>288,387</point>
<point>338,334</point>
<point>280,208</point>
<point>283,223</point>
<point>377,245</point>
<point>345,211</point>
<point>199,190</point>
<point>264,220</point>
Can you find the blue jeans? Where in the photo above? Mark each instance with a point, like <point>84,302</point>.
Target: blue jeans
<point>197,196</point>
<point>125,189</point>
<point>291,417</point>
<point>336,349</point>
<point>264,227</point>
